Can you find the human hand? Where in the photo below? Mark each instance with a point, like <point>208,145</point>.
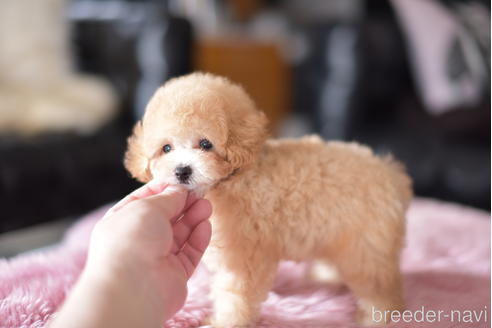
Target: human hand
<point>152,240</point>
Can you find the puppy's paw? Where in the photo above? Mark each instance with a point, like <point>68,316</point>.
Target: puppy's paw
<point>324,273</point>
<point>231,321</point>
<point>233,312</point>
<point>366,319</point>
<point>207,321</point>
<point>370,315</point>
<point>216,324</point>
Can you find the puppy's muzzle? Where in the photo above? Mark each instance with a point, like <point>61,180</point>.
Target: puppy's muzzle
<point>183,174</point>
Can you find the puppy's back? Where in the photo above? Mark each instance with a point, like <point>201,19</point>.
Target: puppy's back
<point>347,167</point>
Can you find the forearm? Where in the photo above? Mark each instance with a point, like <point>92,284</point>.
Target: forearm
<point>101,301</point>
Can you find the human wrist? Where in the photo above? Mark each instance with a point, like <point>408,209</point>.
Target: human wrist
<point>151,285</point>
<point>126,296</point>
<point>101,300</point>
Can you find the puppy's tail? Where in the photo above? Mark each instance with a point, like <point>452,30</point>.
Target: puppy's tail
<point>402,180</point>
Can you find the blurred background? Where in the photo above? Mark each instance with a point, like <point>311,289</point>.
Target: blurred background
<point>408,77</point>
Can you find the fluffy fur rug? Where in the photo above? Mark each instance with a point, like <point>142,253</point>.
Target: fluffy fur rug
<point>446,267</point>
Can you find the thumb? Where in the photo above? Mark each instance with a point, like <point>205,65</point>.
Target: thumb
<point>170,202</point>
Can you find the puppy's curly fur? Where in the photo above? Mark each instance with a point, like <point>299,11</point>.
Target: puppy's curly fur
<point>293,199</point>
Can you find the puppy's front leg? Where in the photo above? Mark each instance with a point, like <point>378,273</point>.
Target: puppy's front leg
<point>239,290</point>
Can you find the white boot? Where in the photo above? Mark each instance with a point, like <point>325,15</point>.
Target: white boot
<point>39,90</point>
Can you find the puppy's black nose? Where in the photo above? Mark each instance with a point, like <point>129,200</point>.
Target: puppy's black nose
<point>183,173</point>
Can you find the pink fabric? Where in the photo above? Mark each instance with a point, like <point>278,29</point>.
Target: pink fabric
<point>446,267</point>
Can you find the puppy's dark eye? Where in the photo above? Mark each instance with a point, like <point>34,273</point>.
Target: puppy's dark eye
<point>205,144</point>
<point>167,148</point>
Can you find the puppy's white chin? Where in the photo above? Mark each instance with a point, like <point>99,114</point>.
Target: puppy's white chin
<point>198,190</point>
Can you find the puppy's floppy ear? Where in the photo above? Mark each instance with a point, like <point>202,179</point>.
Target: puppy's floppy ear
<point>135,161</point>
<point>246,137</point>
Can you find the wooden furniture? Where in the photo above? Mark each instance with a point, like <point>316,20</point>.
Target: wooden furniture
<point>257,65</point>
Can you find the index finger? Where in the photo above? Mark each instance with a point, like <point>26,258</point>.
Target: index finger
<point>146,190</point>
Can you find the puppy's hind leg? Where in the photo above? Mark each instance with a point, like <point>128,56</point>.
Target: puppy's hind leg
<point>325,272</point>
<point>375,280</point>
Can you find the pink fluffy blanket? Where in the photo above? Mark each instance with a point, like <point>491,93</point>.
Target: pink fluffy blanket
<point>446,268</point>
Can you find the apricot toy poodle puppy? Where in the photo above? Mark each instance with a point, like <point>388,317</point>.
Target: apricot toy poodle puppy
<point>292,199</point>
